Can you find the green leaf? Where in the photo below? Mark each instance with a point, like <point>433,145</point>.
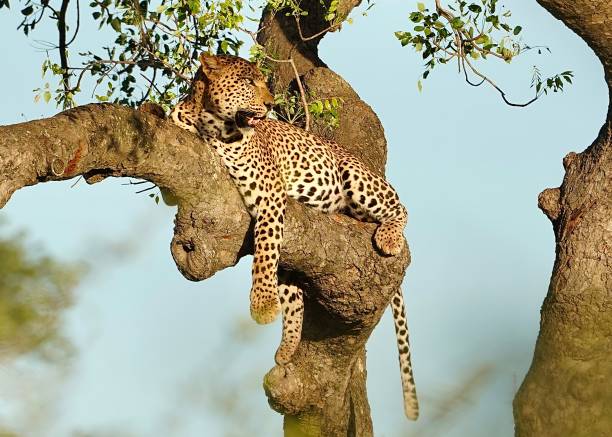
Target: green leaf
<point>482,39</point>
<point>420,6</point>
<point>47,96</point>
<point>420,86</point>
<point>457,23</point>
<point>27,11</point>
<point>416,17</point>
<point>116,24</point>
<point>517,30</point>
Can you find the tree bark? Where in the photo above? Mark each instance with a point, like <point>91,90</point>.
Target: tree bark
<point>567,391</point>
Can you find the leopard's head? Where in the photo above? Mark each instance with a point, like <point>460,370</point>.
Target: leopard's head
<point>235,89</point>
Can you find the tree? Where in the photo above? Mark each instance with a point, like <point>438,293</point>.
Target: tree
<point>347,282</point>
<point>566,391</point>
<point>212,227</point>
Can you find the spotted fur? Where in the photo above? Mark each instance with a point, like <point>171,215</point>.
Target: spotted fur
<point>270,161</point>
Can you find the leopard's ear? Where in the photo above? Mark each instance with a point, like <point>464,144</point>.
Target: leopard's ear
<point>211,65</point>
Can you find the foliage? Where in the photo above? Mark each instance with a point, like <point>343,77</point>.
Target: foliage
<point>290,109</point>
<point>34,291</point>
<point>467,33</point>
<point>155,41</point>
<point>153,47</point>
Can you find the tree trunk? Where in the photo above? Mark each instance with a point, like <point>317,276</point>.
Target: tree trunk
<point>567,391</point>
<point>347,283</point>
<point>331,356</point>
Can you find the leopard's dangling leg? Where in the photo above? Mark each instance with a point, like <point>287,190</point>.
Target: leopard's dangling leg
<point>411,404</point>
<point>292,306</point>
<point>270,204</point>
<point>373,195</point>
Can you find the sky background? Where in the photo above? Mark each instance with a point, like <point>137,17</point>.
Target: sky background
<point>158,355</point>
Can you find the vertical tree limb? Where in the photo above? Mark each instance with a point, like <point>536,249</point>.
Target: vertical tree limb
<point>567,390</point>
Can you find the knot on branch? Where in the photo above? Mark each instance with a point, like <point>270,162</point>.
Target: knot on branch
<point>570,159</point>
<point>285,390</point>
<point>549,203</point>
<point>203,244</point>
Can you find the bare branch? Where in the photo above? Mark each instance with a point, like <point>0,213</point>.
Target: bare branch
<point>61,26</point>
<point>501,92</point>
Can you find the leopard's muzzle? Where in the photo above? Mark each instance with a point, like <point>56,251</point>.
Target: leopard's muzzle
<point>248,118</point>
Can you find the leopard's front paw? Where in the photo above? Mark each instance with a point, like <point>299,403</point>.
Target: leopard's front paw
<point>389,239</point>
<point>264,309</point>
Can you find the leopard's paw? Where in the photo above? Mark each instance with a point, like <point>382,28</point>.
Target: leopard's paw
<point>264,309</point>
<point>389,239</point>
<point>292,303</point>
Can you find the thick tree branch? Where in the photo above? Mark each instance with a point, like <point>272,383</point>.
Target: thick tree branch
<point>212,225</point>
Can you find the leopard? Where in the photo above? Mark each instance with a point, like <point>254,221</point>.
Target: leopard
<point>270,161</point>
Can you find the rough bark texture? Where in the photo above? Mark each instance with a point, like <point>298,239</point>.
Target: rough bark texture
<point>331,357</point>
<point>567,391</point>
<point>347,283</point>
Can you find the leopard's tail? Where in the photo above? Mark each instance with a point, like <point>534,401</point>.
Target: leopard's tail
<point>411,404</point>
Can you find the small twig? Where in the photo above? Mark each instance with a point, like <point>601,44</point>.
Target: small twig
<point>77,181</point>
<point>330,28</point>
<point>501,92</point>
<point>151,85</point>
<point>61,26</point>
<point>467,79</point>
<point>462,58</point>
<point>130,182</point>
<point>78,24</point>
<point>147,189</point>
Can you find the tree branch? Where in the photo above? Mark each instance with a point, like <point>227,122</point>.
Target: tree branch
<point>346,296</point>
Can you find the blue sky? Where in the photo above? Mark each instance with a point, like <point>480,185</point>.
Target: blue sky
<point>159,355</point>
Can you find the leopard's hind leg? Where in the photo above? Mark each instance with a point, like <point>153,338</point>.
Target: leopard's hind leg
<point>292,307</point>
<point>371,195</point>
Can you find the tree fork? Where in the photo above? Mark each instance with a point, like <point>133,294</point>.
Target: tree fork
<point>567,389</point>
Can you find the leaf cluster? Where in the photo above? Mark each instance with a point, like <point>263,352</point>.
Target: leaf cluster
<point>288,107</point>
<point>467,32</point>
